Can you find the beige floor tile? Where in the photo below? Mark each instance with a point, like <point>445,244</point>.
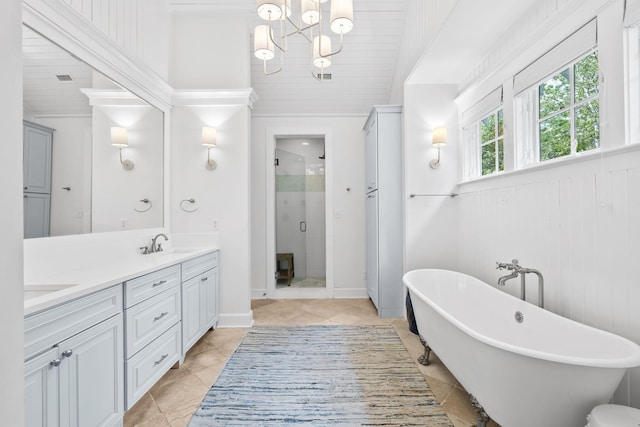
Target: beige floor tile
<point>145,413</point>
<point>440,389</point>
<point>185,392</point>
<point>457,404</point>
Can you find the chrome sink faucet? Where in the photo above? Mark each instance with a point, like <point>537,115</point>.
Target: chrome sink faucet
<point>154,247</point>
<point>517,270</point>
<point>157,247</point>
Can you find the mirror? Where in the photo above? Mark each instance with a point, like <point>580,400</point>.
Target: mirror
<point>78,177</point>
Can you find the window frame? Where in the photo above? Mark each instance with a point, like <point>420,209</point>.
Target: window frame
<point>571,108</point>
<point>496,140</point>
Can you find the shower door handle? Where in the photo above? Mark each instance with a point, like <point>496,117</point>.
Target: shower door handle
<point>303,226</point>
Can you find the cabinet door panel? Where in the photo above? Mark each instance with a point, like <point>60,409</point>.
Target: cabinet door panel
<point>210,298</point>
<point>41,391</point>
<point>37,158</point>
<point>92,376</point>
<point>37,213</point>
<point>190,312</point>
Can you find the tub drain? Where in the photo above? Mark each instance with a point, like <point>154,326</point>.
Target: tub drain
<point>519,317</point>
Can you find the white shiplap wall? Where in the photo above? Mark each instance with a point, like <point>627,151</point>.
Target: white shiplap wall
<point>423,19</point>
<point>117,19</point>
<point>579,224</point>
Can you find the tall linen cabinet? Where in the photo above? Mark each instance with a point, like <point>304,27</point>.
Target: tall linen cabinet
<point>383,158</point>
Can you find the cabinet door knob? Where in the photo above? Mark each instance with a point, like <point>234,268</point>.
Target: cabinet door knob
<point>55,362</point>
<point>67,353</point>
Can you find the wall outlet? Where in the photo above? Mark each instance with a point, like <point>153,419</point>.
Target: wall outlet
<point>124,224</point>
<point>214,224</point>
<point>364,275</point>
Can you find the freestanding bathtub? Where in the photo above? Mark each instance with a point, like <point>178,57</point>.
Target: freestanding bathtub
<point>546,370</point>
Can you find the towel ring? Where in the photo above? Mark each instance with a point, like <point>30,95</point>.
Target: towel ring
<point>192,201</point>
<point>145,201</point>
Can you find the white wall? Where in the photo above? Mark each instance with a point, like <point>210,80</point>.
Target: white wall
<point>210,51</point>
<point>345,157</point>
<point>11,230</point>
<point>200,40</point>
<point>431,233</point>
<point>70,167</point>
<point>117,192</point>
<point>574,220</point>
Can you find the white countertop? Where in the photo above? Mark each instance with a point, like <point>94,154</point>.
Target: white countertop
<point>44,290</point>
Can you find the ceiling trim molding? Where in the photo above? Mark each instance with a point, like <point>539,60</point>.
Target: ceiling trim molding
<point>56,21</point>
<point>189,98</point>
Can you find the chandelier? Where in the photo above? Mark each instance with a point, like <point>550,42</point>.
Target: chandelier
<point>272,11</point>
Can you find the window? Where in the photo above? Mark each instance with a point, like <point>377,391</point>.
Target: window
<point>492,143</point>
<point>569,110</point>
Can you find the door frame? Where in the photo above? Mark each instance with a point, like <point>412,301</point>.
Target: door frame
<point>270,146</point>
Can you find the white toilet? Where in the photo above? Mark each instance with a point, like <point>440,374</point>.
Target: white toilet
<point>613,416</point>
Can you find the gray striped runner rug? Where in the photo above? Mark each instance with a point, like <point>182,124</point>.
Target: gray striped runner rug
<point>320,376</point>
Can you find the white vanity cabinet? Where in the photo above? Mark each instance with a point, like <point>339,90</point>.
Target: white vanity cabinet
<point>153,333</point>
<point>74,363</point>
<point>199,297</point>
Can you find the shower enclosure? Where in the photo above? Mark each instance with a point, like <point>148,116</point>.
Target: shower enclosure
<point>300,213</point>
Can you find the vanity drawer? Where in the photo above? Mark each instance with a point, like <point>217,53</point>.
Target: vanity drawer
<point>150,318</point>
<point>144,287</point>
<point>195,266</point>
<point>150,364</point>
<point>47,328</point>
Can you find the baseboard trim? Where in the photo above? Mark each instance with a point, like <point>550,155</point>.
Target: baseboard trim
<point>259,293</point>
<point>236,320</point>
<point>350,293</point>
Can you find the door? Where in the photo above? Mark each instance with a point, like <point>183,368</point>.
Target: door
<point>37,158</point>
<point>372,246</point>
<point>191,312</point>
<point>36,215</point>
<point>92,376</point>
<point>41,390</point>
<point>300,206</point>
<point>210,297</point>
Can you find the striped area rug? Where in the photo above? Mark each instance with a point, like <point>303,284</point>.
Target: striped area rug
<point>320,376</point>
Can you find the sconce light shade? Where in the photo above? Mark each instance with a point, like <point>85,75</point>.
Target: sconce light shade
<point>209,139</point>
<point>119,137</point>
<point>439,137</point>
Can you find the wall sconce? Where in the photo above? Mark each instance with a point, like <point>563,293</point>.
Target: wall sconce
<point>439,139</point>
<point>209,140</point>
<point>120,139</point>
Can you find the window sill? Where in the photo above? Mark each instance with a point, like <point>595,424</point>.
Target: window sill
<point>555,163</point>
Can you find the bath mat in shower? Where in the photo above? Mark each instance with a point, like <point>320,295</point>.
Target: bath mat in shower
<point>320,376</point>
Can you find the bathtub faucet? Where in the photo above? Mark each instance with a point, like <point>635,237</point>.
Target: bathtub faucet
<point>522,272</point>
<point>514,267</point>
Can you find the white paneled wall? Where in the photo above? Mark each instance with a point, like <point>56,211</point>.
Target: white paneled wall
<point>117,19</point>
<point>423,20</point>
<point>578,224</point>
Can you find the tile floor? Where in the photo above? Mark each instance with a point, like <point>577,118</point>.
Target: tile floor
<point>172,401</point>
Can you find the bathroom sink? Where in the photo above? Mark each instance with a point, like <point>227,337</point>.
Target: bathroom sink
<point>37,290</point>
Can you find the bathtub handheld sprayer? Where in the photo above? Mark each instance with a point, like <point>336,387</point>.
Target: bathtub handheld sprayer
<point>517,270</point>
